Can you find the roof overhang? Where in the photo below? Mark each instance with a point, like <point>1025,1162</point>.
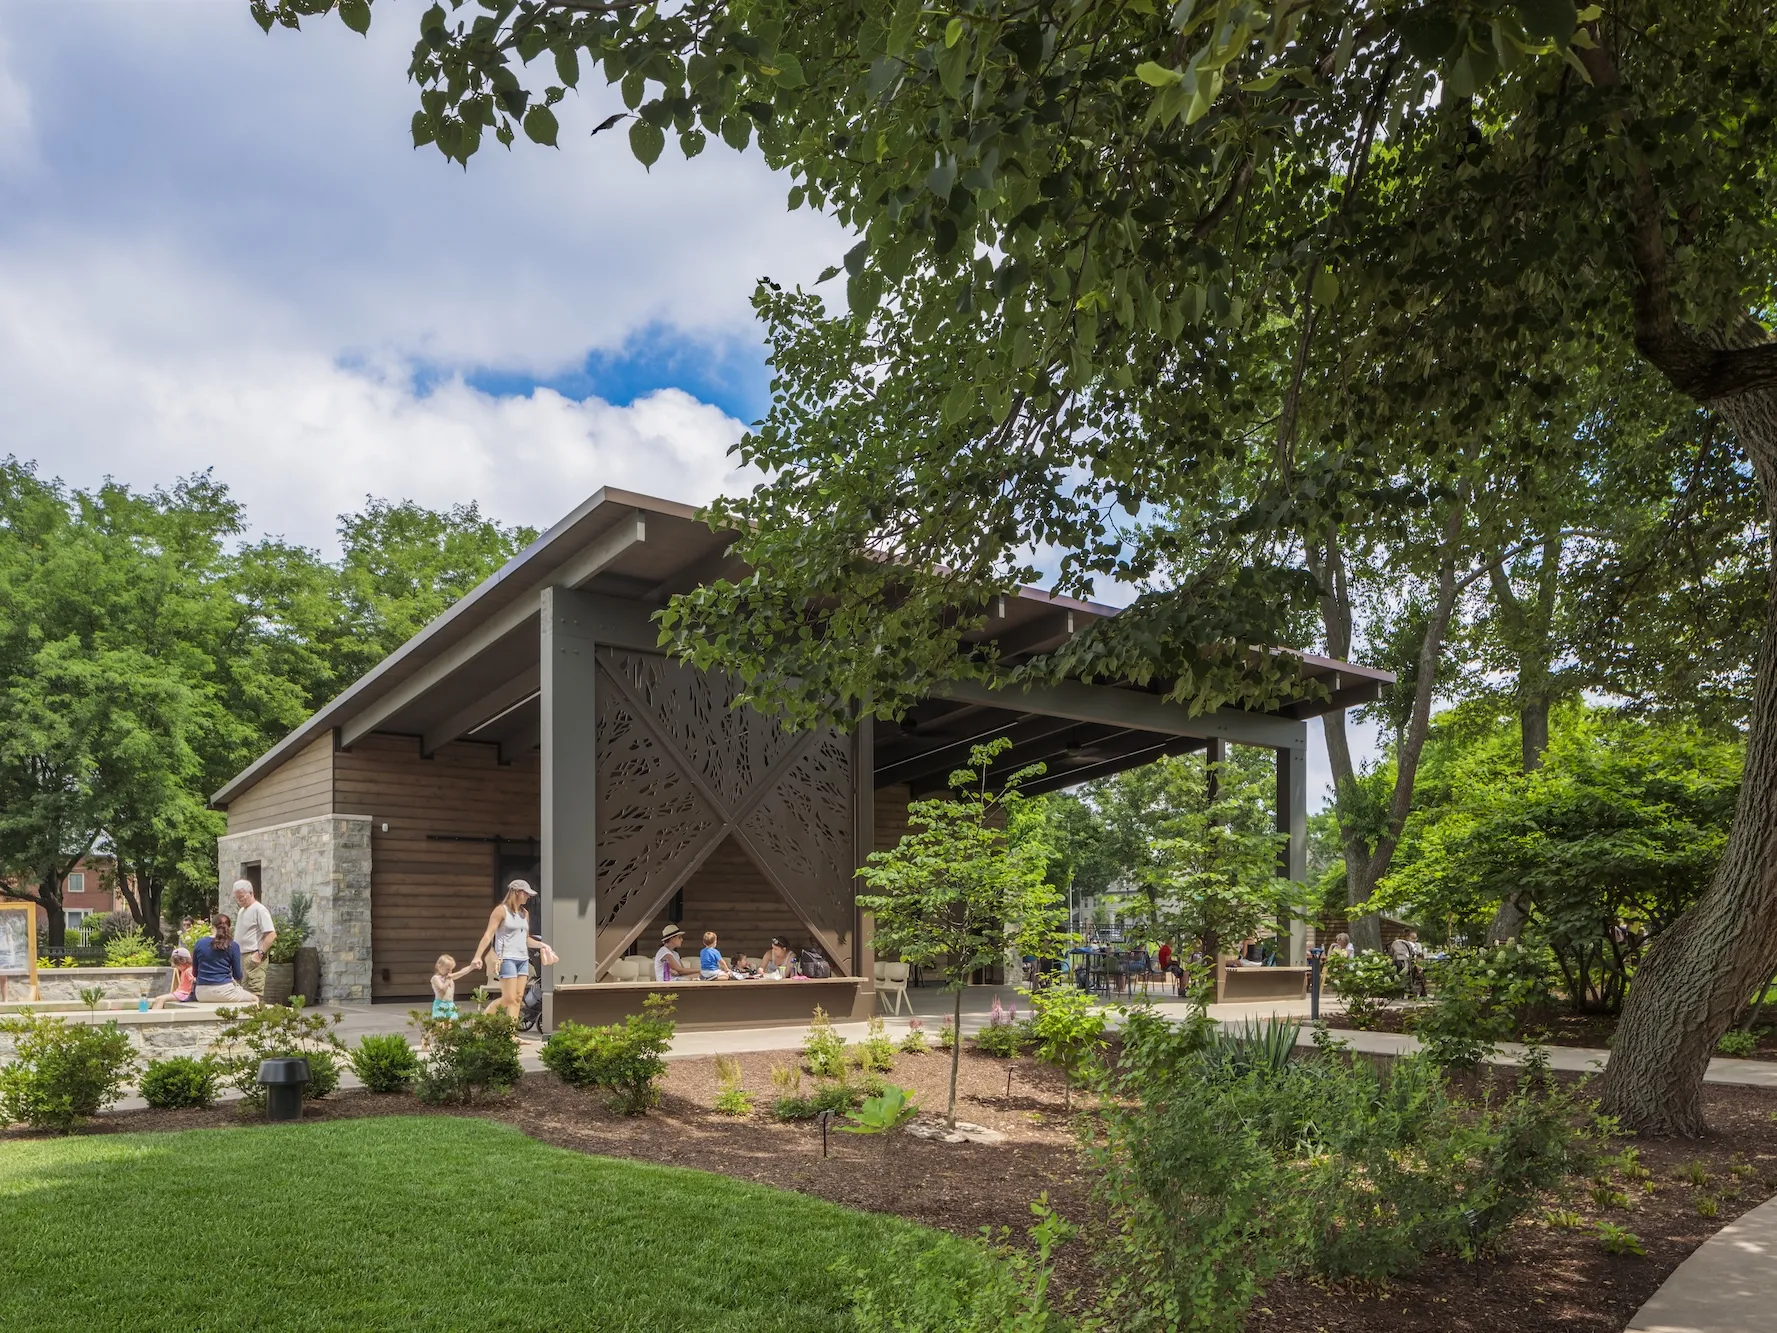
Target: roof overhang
<point>474,674</point>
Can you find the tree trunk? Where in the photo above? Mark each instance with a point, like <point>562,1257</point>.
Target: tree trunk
<point>49,894</point>
<point>1695,976</point>
<point>1365,865</point>
<point>956,1054</point>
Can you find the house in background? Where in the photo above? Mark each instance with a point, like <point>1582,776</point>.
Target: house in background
<point>88,890</point>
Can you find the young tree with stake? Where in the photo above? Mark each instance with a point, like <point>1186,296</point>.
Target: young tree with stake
<point>956,894</point>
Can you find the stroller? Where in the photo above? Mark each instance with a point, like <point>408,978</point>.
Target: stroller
<point>530,1013</point>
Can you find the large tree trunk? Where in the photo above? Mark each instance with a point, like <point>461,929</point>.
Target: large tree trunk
<point>1697,974</point>
<point>49,894</point>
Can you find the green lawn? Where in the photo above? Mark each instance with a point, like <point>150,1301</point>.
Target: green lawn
<point>406,1223</point>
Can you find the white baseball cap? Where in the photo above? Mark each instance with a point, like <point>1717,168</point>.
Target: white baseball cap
<point>523,886</point>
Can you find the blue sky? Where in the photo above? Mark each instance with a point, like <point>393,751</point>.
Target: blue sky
<point>218,249</point>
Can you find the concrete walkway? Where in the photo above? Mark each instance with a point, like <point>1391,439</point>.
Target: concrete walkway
<point>1728,1285</point>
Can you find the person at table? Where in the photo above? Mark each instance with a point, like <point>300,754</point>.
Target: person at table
<point>779,961</point>
<point>668,966</point>
<point>711,966</point>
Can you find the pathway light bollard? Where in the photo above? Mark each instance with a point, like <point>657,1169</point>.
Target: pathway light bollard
<point>826,1118</point>
<point>1316,957</point>
<point>282,1080</point>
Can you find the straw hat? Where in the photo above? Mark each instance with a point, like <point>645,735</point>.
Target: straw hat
<point>669,932</point>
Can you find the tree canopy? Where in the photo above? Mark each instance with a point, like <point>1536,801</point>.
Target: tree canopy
<point>1195,295</point>
<point>148,653</point>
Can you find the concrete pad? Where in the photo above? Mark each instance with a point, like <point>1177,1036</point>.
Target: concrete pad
<point>1729,1285</point>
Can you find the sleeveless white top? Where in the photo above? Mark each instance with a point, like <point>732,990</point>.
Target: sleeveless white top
<point>512,937</point>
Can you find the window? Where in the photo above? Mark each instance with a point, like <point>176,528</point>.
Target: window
<point>76,917</point>
<point>76,882</point>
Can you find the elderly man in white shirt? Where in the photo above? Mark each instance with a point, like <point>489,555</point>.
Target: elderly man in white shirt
<point>254,931</point>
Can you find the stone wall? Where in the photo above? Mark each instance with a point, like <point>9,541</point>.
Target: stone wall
<point>156,1036</point>
<point>118,983</point>
<point>328,858</point>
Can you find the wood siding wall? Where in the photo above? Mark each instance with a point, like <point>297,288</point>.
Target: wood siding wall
<point>730,896</point>
<point>299,788</point>
<point>430,894</point>
<point>891,816</point>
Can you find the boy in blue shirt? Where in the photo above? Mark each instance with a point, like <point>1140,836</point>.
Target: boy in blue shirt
<point>710,964</point>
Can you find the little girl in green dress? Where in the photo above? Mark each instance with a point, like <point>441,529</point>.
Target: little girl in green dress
<point>444,984</point>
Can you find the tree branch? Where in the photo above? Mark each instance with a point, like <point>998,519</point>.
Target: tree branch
<point>1705,368</point>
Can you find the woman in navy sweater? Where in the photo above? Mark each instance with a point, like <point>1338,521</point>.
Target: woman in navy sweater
<point>216,960</point>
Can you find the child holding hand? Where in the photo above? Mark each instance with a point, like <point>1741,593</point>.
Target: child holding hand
<point>445,975</point>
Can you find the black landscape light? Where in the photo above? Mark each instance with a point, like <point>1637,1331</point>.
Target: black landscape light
<point>282,1080</point>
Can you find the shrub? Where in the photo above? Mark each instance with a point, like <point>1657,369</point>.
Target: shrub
<point>1365,984</point>
<point>384,1062</point>
<point>117,923</point>
<point>1067,1027</point>
<point>914,1043</point>
<point>1479,998</point>
<point>130,948</point>
<point>884,1113</point>
<point>92,997</point>
<point>732,1099</point>
<point>838,1096</point>
<point>1264,1045</point>
<point>877,1050</point>
<point>1002,1038</point>
<point>465,1056</point>
<point>1737,1043</point>
<point>197,930</point>
<point>62,1074</point>
<point>292,928</point>
<point>180,1082</point>
<point>272,1032</point>
<point>1213,1177</point>
<point>627,1059</point>
<point>1706,1206</point>
<point>1618,1240</point>
<point>823,1049</point>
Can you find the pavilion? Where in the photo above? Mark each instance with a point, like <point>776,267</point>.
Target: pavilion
<point>536,728</point>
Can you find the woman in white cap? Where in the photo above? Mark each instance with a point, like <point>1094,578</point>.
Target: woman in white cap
<point>509,931</point>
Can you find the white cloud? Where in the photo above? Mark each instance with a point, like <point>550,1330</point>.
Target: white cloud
<point>218,248</point>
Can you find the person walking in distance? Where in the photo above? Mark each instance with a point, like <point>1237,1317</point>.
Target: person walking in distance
<point>509,931</point>
<point>254,930</point>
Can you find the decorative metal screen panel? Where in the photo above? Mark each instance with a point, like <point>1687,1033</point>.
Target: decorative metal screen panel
<point>680,768</point>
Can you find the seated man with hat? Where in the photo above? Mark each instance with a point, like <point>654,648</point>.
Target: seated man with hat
<point>667,965</point>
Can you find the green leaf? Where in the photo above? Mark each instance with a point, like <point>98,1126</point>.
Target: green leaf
<point>942,176</point>
<point>567,65</point>
<point>789,71</point>
<point>953,30</point>
<point>355,14</point>
<point>635,87</point>
<point>827,274</point>
<point>1325,290</point>
<point>646,141</point>
<point>422,129</point>
<point>903,25</point>
<point>540,126</point>
<point>958,403</point>
<point>1429,34</point>
<point>1156,75</point>
<point>691,142</point>
<point>1549,18</point>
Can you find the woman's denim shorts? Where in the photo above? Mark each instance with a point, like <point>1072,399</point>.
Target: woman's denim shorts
<point>513,967</point>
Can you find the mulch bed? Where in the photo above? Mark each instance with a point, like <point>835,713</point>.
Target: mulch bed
<point>1542,1278</point>
<point>1561,1027</point>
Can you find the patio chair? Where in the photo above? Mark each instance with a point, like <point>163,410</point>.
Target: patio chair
<point>891,980</point>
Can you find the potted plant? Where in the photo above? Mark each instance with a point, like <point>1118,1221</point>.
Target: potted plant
<point>280,964</point>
